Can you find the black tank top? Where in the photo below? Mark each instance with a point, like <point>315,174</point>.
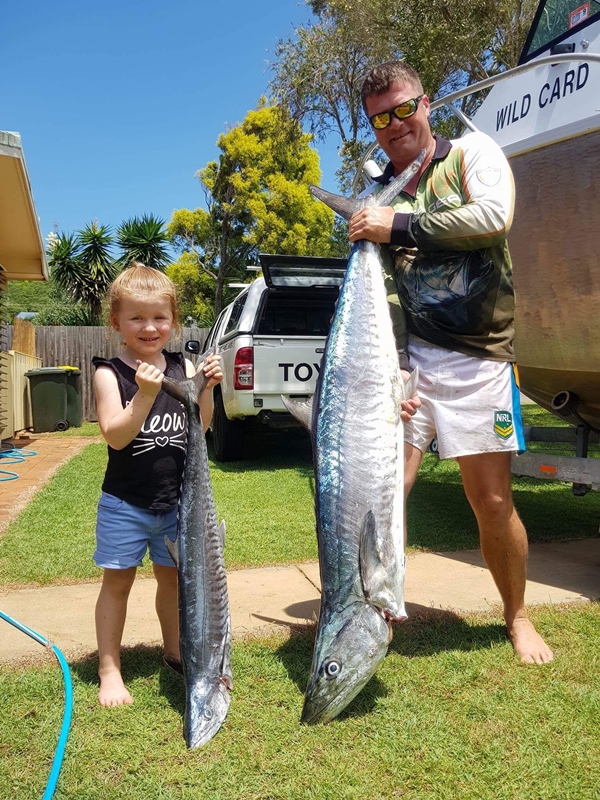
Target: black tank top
<point>148,472</point>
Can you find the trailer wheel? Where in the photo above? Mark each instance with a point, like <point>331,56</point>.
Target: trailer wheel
<point>227,434</point>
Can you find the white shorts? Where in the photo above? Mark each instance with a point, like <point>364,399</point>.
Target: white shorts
<point>471,405</point>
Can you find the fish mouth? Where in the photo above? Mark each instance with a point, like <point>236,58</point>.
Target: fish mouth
<point>312,715</point>
<point>207,703</point>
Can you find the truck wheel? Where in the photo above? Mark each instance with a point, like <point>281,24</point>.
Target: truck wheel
<point>227,435</point>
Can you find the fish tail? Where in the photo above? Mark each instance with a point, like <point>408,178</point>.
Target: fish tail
<point>409,388</point>
<point>346,206</point>
<point>186,392</point>
<point>388,193</point>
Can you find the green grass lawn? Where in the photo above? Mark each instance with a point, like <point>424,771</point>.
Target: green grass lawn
<point>85,429</point>
<point>267,505</point>
<point>450,714</point>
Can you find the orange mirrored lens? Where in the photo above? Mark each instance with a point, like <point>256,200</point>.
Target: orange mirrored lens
<point>403,111</point>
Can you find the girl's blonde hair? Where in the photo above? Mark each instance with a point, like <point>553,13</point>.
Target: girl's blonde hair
<point>141,281</point>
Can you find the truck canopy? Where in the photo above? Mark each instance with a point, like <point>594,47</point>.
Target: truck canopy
<point>302,272</point>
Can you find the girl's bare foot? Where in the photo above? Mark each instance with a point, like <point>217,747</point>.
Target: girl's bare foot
<point>112,690</point>
<point>527,643</point>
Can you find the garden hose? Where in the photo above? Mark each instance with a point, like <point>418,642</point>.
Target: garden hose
<point>68,712</point>
<point>14,456</point>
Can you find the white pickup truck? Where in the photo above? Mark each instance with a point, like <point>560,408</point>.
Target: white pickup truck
<point>271,339</point>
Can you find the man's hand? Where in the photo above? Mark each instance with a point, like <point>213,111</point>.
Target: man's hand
<point>373,223</point>
<point>212,369</point>
<point>409,407</point>
<point>148,378</point>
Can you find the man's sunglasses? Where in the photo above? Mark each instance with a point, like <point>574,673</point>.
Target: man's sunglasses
<point>403,111</point>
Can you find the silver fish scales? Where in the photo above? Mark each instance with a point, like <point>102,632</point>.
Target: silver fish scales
<point>358,452</point>
<point>204,618</point>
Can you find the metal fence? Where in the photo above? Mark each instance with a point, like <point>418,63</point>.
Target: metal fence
<point>59,346</point>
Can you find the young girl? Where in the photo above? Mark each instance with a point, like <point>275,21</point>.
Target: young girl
<point>145,432</point>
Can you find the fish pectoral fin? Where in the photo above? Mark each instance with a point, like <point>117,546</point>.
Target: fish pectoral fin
<point>302,411</point>
<point>222,532</point>
<point>410,387</point>
<point>375,560</point>
<point>227,682</point>
<point>173,548</point>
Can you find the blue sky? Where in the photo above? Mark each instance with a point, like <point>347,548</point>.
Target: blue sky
<point>119,103</point>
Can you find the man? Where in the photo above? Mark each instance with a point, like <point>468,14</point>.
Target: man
<point>451,296</point>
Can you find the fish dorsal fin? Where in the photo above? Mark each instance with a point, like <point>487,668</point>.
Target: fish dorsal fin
<point>376,565</point>
<point>389,192</point>
<point>173,548</point>
<point>302,411</point>
<point>346,206</point>
<point>410,387</point>
<point>222,532</point>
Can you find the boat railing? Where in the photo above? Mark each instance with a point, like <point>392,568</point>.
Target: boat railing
<point>474,88</point>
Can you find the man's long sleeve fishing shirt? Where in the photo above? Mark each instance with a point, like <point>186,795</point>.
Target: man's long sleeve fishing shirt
<point>448,268</point>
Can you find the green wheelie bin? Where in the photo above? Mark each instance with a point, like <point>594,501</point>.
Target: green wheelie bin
<point>74,409</point>
<point>48,386</point>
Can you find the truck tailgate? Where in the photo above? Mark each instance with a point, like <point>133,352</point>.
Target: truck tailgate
<point>287,365</point>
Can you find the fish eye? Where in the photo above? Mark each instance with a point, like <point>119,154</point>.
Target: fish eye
<point>332,668</point>
<point>208,714</point>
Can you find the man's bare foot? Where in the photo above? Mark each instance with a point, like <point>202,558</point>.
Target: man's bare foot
<point>527,643</point>
<point>112,690</point>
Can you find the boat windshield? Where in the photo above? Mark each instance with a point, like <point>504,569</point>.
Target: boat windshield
<point>554,21</point>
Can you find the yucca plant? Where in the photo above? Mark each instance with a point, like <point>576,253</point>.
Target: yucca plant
<point>82,265</point>
<point>143,239</point>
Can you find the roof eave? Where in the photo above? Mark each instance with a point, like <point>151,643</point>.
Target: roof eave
<point>22,252</point>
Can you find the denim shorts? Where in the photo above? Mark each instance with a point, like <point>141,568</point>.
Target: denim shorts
<point>124,533</point>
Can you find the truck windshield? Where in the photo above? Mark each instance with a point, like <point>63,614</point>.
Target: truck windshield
<point>554,21</point>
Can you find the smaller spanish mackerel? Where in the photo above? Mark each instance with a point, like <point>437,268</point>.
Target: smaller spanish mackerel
<point>198,552</point>
<point>358,453</point>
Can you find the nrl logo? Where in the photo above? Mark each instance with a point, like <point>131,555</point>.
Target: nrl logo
<point>503,424</point>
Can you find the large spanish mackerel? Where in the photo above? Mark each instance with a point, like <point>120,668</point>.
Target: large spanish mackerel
<point>204,620</point>
<point>358,452</point>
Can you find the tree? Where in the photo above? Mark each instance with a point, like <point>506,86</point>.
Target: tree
<point>450,45</point>
<point>258,198</point>
<point>143,239</point>
<point>195,290</point>
<point>82,265</point>
<point>318,73</point>
<point>317,76</point>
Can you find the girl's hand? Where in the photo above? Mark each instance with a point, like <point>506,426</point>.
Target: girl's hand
<point>148,378</point>
<point>212,369</point>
